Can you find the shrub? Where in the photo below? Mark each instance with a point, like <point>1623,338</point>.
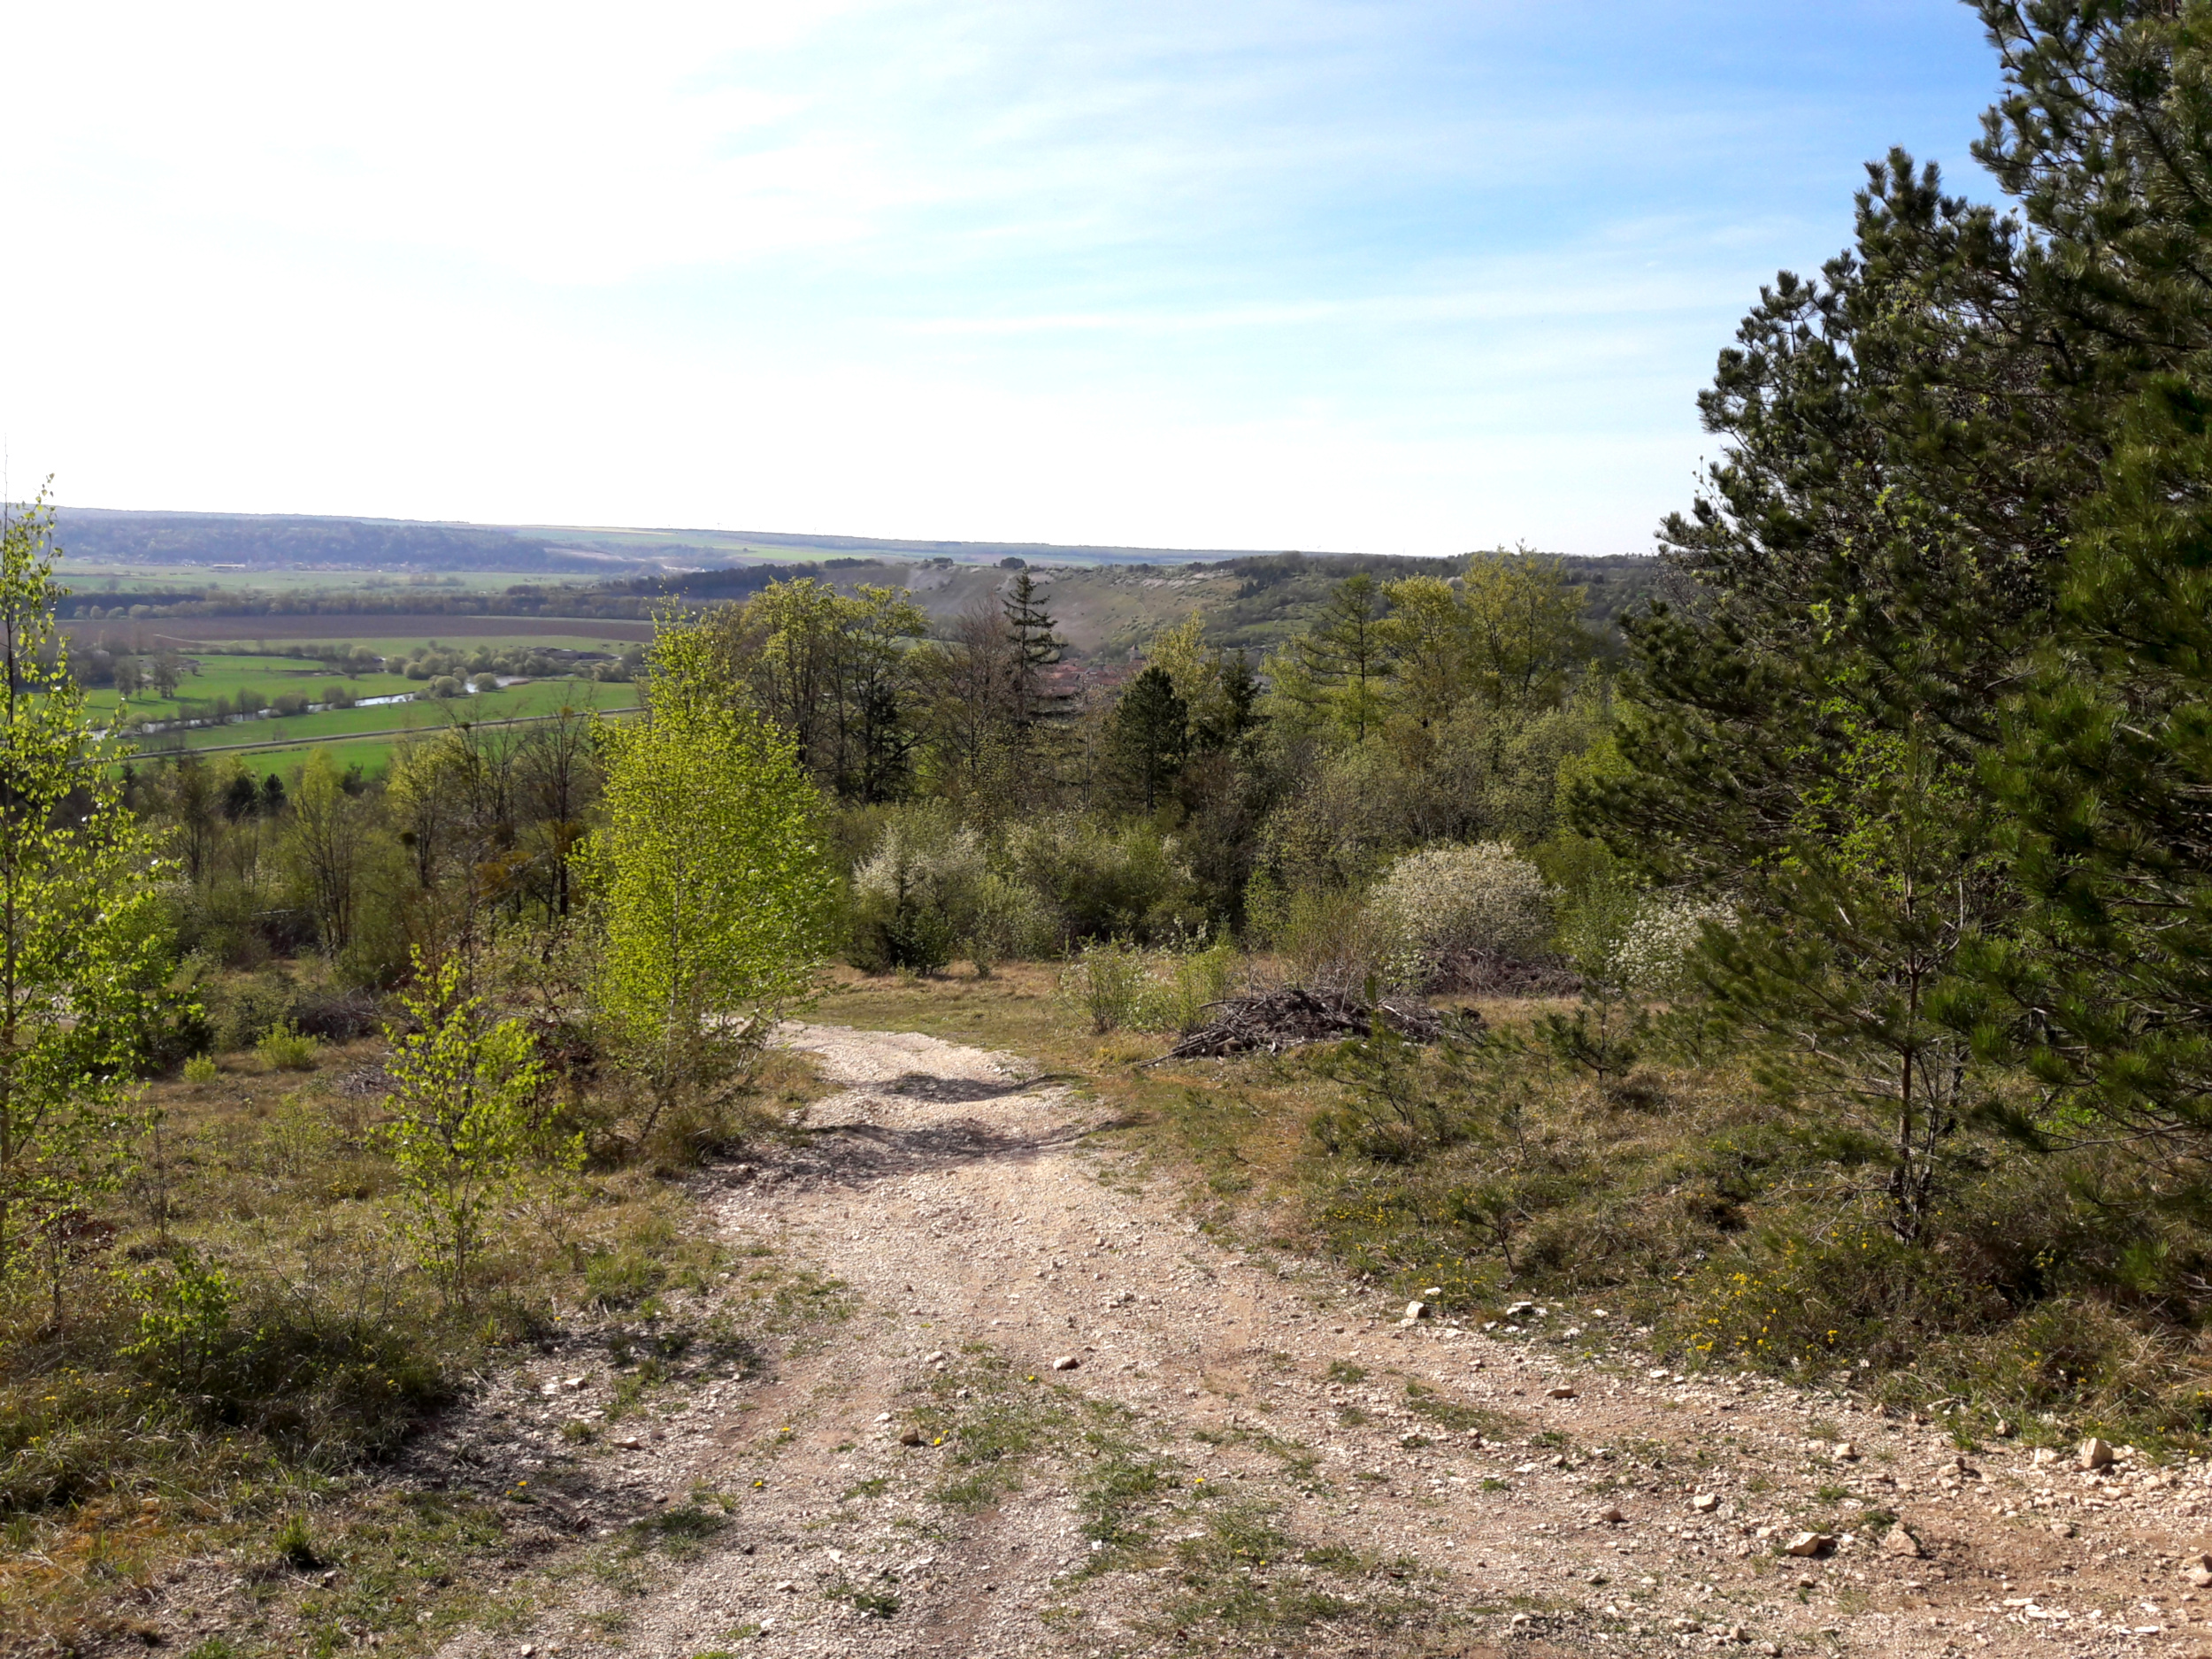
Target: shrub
<point>285,1048</point>
<point>1481,901</point>
<point>287,704</point>
<point>335,1016</point>
<point>463,1087</point>
<point>1652,954</point>
<point>445,686</point>
<point>1330,942</point>
<point>1180,992</point>
<point>1009,922</point>
<point>1129,882</point>
<point>1399,1104</point>
<point>199,1070</point>
<point>918,896</point>
<point>1107,981</point>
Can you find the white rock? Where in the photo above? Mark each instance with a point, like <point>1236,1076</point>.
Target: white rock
<point>1417,1310</point>
<point>1705,1503</point>
<point>1898,1541</point>
<point>2095,1454</point>
<point>1066,1362</point>
<point>1808,1544</point>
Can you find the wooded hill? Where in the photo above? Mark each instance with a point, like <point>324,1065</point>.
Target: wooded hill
<point>1247,602</point>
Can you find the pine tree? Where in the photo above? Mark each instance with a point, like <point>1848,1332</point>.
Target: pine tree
<point>1149,735</point>
<point>2105,987</point>
<point>1340,665</point>
<point>1029,628</point>
<point>1872,561</point>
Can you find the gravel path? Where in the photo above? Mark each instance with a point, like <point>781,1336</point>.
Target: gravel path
<point>1248,1456</point>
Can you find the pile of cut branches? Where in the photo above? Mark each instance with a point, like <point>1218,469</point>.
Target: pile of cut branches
<point>1277,1021</point>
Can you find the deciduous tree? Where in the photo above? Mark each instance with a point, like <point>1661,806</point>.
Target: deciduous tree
<point>81,944</point>
<point>711,870</point>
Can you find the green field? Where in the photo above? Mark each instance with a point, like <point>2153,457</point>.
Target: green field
<point>411,644</point>
<point>539,697</point>
<point>371,751</point>
<point>225,676</point>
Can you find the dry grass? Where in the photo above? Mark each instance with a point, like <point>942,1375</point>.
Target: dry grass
<point>2057,1292</point>
<point>129,1448</point>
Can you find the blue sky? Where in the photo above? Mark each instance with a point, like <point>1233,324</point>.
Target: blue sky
<point>1392,276</point>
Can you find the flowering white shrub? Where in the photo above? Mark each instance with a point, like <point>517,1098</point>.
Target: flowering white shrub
<point>916,897</point>
<point>905,860</point>
<point>1652,951</point>
<point>1480,900</point>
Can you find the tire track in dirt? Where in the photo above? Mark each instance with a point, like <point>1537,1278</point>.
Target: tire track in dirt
<point>1256,1458</point>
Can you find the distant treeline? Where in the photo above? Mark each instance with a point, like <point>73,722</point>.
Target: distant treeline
<point>275,542</point>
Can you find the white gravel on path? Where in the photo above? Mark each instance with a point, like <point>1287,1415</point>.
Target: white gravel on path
<point>964,1207</point>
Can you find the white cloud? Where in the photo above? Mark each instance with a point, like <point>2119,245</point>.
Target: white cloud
<point>1274,272</point>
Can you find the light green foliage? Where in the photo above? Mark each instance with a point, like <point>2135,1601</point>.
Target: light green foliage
<point>716,890</point>
<point>1326,939</point>
<point>1105,980</point>
<point>462,1121</point>
<point>200,1070</point>
<point>1332,680</point>
<point>285,1048</point>
<point>1116,985</point>
<point>1401,657</point>
<point>1191,983</point>
<point>928,893</point>
<point>1525,633</point>
<point>80,944</point>
<point>1196,672</point>
<point>184,1316</point>
<point>837,672</point>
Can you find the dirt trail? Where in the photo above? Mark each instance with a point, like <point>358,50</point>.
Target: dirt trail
<point>1250,1456</point>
